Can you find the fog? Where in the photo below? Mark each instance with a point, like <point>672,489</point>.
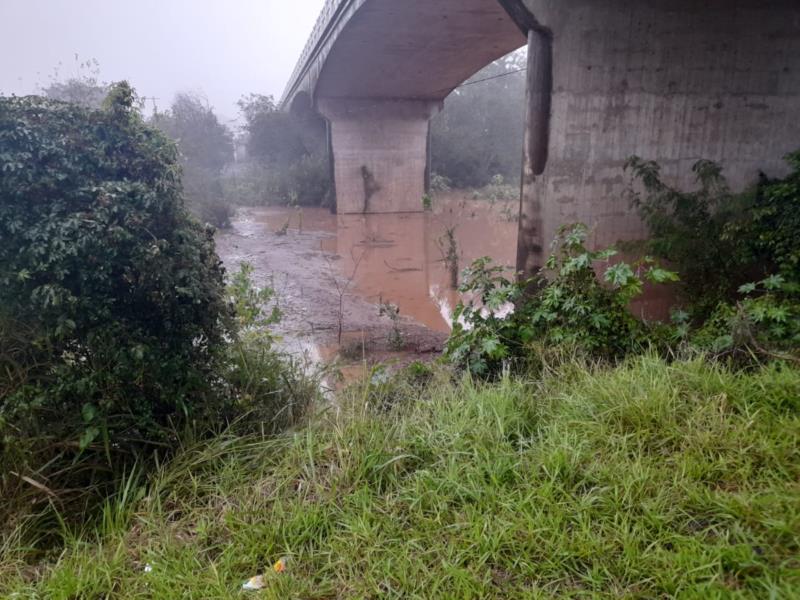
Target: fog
<point>222,49</point>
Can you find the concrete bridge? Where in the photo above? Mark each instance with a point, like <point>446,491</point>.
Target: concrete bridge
<point>667,80</point>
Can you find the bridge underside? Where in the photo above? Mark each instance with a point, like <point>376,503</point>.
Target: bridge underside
<point>668,80</point>
<point>386,76</point>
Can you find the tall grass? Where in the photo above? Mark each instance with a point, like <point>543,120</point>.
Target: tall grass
<point>644,481</point>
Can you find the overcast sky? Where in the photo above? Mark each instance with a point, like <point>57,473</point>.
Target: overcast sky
<point>223,48</point>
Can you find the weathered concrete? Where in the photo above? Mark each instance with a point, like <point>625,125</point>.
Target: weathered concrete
<point>379,70</point>
<point>380,150</point>
<point>668,80</point>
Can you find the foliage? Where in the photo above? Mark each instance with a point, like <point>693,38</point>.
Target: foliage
<point>304,183</point>
<point>249,301</point>
<point>650,480</point>
<point>392,311</point>
<point>479,133</point>
<point>738,255</point>
<point>206,148</point>
<point>204,142</point>
<point>497,190</point>
<point>440,183</point>
<point>427,202</point>
<point>568,306</point>
<point>766,320</point>
<point>275,136</point>
<point>753,234</point>
<point>83,88</point>
<point>287,153</point>
<point>769,226</point>
<point>448,248</point>
<point>119,292</point>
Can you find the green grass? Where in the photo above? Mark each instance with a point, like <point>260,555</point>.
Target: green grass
<point>645,481</point>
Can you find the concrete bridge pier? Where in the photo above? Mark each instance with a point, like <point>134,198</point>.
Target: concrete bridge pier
<point>380,152</point>
<point>672,81</point>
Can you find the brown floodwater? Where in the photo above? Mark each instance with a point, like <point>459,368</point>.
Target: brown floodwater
<point>400,258</point>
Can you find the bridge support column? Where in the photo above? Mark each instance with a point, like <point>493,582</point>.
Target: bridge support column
<point>380,153</point>
<point>667,80</point>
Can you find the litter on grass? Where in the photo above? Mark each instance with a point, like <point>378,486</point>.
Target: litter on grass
<point>259,582</point>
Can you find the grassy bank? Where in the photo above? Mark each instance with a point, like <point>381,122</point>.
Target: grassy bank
<point>648,480</point>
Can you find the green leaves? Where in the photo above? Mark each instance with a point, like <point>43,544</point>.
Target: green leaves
<point>571,307</point>
<point>659,275</point>
<point>121,290</point>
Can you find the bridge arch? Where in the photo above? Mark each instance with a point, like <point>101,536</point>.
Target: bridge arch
<point>668,80</point>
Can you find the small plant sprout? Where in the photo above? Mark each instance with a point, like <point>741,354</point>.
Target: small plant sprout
<point>387,309</point>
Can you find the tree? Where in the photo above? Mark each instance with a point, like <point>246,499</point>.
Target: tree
<point>84,88</point>
<point>289,151</point>
<point>205,143</point>
<point>280,138</point>
<point>479,134</point>
<point>206,147</point>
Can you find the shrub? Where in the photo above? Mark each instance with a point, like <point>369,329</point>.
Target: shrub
<point>566,305</point>
<point>752,234</point>
<point>498,190</point>
<point>738,256</point>
<point>205,197</point>
<point>440,183</point>
<point>305,183</point>
<point>119,292</point>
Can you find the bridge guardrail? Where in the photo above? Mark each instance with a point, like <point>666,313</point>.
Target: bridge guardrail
<point>324,21</point>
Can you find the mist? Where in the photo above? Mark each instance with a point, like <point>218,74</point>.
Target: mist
<point>221,50</point>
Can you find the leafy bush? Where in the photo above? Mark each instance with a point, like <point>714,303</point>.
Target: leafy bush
<point>440,183</point>
<point>766,323</point>
<point>497,190</point>
<point>568,306</point>
<point>738,256</point>
<point>119,292</point>
<point>272,389</point>
<point>716,239</point>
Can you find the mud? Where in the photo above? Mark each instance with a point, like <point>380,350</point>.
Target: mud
<point>313,259</point>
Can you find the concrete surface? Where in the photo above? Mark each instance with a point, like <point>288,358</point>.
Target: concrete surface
<point>380,153</point>
<point>667,80</point>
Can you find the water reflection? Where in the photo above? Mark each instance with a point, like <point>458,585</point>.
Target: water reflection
<point>399,258</point>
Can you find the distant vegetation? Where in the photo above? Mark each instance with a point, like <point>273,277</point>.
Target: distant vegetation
<point>206,148</point>
<point>478,136</point>
<point>281,158</point>
<point>287,157</point>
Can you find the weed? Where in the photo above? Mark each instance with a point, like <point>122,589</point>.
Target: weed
<point>387,309</point>
<point>448,246</point>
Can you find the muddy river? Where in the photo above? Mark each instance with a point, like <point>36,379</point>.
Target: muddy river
<point>331,272</point>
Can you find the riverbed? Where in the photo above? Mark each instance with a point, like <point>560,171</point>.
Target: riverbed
<point>331,273</point>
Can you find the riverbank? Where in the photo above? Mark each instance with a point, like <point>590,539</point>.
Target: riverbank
<point>649,480</point>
